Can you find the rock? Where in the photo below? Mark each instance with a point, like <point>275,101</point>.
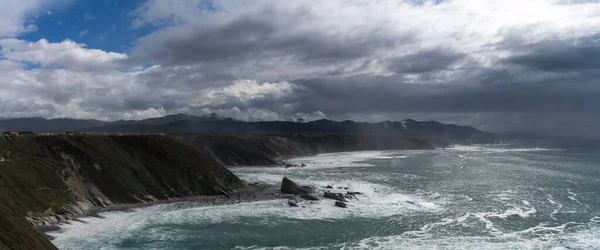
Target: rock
<point>334,196</point>
<point>309,197</point>
<point>302,165</point>
<point>351,195</point>
<point>329,187</point>
<point>340,204</point>
<point>292,204</point>
<point>290,187</point>
<point>309,189</point>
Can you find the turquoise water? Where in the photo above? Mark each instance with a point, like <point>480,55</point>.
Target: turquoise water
<point>475,197</point>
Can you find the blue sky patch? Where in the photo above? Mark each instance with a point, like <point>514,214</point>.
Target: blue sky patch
<point>101,24</point>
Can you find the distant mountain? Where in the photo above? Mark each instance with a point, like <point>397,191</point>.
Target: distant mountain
<point>212,124</point>
<point>38,124</point>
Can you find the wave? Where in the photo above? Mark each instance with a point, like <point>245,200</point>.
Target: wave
<point>494,149</point>
<point>586,239</point>
<point>345,159</point>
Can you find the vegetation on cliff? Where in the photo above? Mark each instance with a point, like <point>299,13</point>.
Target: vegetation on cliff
<point>61,176</point>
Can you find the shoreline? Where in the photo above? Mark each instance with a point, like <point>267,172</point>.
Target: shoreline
<point>254,192</point>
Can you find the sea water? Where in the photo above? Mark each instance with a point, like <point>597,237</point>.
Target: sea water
<point>466,197</point>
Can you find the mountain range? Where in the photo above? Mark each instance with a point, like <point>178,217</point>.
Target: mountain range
<point>212,124</point>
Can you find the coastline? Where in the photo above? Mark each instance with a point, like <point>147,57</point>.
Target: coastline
<point>254,192</point>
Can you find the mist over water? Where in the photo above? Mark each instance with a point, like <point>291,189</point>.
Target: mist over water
<point>486,197</point>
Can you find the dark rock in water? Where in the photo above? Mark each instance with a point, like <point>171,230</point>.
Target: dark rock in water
<point>352,195</point>
<point>292,204</point>
<point>290,187</point>
<point>309,189</point>
<point>302,165</point>
<point>410,202</point>
<point>340,204</point>
<point>334,196</point>
<point>329,187</point>
<point>309,197</point>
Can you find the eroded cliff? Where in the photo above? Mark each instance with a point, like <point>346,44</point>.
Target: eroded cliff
<point>45,179</point>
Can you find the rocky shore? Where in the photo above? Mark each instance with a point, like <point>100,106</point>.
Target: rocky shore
<point>49,180</point>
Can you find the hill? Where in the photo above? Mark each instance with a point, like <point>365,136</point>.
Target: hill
<point>188,124</point>
<point>49,178</point>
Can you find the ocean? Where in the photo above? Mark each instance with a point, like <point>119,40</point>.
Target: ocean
<point>466,197</point>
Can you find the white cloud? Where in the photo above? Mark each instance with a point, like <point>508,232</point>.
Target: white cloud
<point>68,54</point>
<point>474,27</point>
<point>16,15</point>
<point>145,114</point>
<point>84,32</point>
<point>247,90</point>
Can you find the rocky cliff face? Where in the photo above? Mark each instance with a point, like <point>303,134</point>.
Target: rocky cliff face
<point>270,149</point>
<point>45,179</point>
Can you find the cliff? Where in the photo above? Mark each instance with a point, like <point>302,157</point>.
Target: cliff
<point>49,178</point>
<point>270,149</point>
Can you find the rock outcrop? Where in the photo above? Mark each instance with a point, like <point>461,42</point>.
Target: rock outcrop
<point>334,196</point>
<point>290,187</point>
<point>340,204</point>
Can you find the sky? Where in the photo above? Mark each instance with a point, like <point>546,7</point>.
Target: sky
<point>508,65</point>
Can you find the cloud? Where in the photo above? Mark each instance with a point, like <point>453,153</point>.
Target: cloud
<point>424,61</point>
<point>88,17</point>
<point>560,55</point>
<point>84,32</point>
<point>15,16</point>
<point>68,54</point>
<point>247,90</point>
<point>494,64</point>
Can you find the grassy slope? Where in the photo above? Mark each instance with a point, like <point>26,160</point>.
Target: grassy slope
<point>124,168</point>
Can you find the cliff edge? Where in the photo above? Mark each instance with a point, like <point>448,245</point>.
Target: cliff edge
<point>47,179</point>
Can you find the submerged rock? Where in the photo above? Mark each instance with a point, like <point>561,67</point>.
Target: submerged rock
<point>334,196</point>
<point>292,204</point>
<point>329,187</point>
<point>340,204</point>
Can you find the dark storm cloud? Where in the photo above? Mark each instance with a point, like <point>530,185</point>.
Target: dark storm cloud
<point>260,37</point>
<point>424,61</point>
<point>469,94</point>
<point>559,55</point>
